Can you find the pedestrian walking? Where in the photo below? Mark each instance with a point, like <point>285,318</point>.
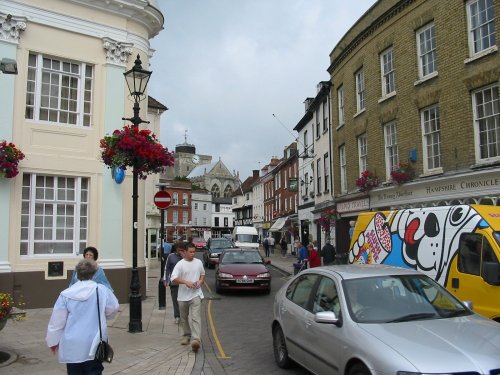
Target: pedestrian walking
<point>314,259</point>
<point>271,244</point>
<point>266,247</point>
<point>284,246</point>
<point>73,330</point>
<point>189,274</point>
<point>99,276</point>
<point>173,258</point>
<point>328,253</point>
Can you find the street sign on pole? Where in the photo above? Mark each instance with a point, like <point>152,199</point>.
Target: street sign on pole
<point>162,199</point>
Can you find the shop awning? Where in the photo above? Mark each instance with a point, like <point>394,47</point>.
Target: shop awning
<point>278,224</point>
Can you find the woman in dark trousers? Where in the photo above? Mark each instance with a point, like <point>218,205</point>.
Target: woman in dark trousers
<point>176,255</point>
<point>283,245</point>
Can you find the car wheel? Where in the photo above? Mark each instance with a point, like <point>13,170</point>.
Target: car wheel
<point>359,369</point>
<point>280,350</point>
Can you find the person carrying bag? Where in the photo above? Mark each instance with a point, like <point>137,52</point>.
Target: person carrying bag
<point>72,331</point>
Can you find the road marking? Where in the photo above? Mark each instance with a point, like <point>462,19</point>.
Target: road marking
<point>222,354</point>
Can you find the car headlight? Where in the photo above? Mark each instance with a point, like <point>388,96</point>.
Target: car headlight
<point>264,275</point>
<point>214,255</point>
<point>225,275</point>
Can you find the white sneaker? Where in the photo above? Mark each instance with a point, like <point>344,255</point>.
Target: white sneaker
<point>177,320</point>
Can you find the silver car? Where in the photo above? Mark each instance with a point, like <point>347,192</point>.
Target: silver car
<point>375,319</point>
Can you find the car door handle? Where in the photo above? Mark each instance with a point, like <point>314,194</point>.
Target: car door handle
<point>308,323</point>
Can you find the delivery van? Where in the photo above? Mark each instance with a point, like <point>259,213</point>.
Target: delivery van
<point>458,246</point>
<point>246,237</point>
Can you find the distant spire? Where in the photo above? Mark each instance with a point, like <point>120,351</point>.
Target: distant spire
<point>185,136</point>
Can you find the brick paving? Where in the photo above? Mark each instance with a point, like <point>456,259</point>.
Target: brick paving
<point>155,351</point>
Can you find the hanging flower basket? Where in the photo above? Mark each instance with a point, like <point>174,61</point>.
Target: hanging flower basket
<point>403,173</point>
<point>10,156</point>
<point>135,148</point>
<point>328,218</point>
<point>367,181</point>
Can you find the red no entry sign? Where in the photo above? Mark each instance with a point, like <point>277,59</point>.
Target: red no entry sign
<point>162,199</point>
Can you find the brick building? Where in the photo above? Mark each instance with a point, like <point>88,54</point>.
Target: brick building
<point>415,90</point>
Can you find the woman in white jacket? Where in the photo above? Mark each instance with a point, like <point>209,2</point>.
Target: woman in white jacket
<point>73,329</point>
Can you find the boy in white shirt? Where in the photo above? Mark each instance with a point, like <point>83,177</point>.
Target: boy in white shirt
<point>190,275</point>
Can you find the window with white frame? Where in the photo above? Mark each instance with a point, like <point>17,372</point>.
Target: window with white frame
<point>318,123</point>
<point>54,215</point>
<point>196,221</point>
<point>306,183</point>
<point>486,123</point>
<point>175,199</point>
<point>326,169</point>
<point>343,169</point>
<point>481,24</point>
<point>175,217</point>
<point>340,104</point>
<point>360,90</point>
<point>185,217</point>
<point>196,205</point>
<point>59,91</point>
<point>431,131</point>
<point>426,49</point>
<point>204,221</point>
<point>306,141</point>
<point>362,153</point>
<point>391,148</point>
<point>184,199</point>
<point>204,206</point>
<point>387,69</point>
<point>318,175</point>
<point>325,115</point>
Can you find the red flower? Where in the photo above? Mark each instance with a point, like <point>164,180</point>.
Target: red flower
<point>9,159</point>
<point>367,181</point>
<point>136,148</point>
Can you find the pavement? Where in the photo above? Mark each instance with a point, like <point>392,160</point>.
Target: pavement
<point>155,351</point>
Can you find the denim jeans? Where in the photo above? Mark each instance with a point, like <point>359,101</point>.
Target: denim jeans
<point>92,367</point>
<point>174,291</point>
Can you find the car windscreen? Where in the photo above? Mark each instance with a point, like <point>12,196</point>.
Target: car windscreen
<point>242,257</point>
<point>247,238</point>
<point>400,298</point>
<point>221,244</point>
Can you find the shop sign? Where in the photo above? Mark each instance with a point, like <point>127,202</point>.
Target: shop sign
<point>356,205</point>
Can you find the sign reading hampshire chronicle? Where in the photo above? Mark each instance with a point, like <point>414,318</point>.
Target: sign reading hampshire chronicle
<point>475,185</point>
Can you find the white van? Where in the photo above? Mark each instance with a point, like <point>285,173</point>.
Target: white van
<point>246,237</point>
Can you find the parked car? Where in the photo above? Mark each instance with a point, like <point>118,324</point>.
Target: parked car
<point>200,244</point>
<point>242,269</point>
<point>214,248</point>
<point>376,319</point>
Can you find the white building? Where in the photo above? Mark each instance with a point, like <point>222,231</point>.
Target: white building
<point>201,203</point>
<point>69,92</point>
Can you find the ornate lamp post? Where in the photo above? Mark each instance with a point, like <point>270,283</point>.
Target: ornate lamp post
<point>137,79</point>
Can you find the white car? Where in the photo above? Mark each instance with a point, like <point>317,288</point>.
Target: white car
<point>375,319</point>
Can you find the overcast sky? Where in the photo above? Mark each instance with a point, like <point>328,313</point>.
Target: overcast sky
<point>224,67</point>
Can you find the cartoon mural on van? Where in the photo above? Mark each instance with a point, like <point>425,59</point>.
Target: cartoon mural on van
<point>422,239</point>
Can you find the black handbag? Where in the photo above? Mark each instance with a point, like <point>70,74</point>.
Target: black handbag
<point>104,352</point>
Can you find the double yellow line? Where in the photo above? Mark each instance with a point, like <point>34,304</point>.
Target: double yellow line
<point>222,354</point>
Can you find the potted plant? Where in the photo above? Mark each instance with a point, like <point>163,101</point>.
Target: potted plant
<point>327,219</point>
<point>10,156</point>
<point>367,181</point>
<point>135,148</point>
<point>8,310</point>
<point>402,173</point>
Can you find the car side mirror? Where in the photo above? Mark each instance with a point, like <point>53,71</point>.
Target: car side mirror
<point>327,317</point>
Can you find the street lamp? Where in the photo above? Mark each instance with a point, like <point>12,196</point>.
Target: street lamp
<point>137,79</point>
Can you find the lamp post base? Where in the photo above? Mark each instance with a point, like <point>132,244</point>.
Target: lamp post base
<point>135,303</point>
